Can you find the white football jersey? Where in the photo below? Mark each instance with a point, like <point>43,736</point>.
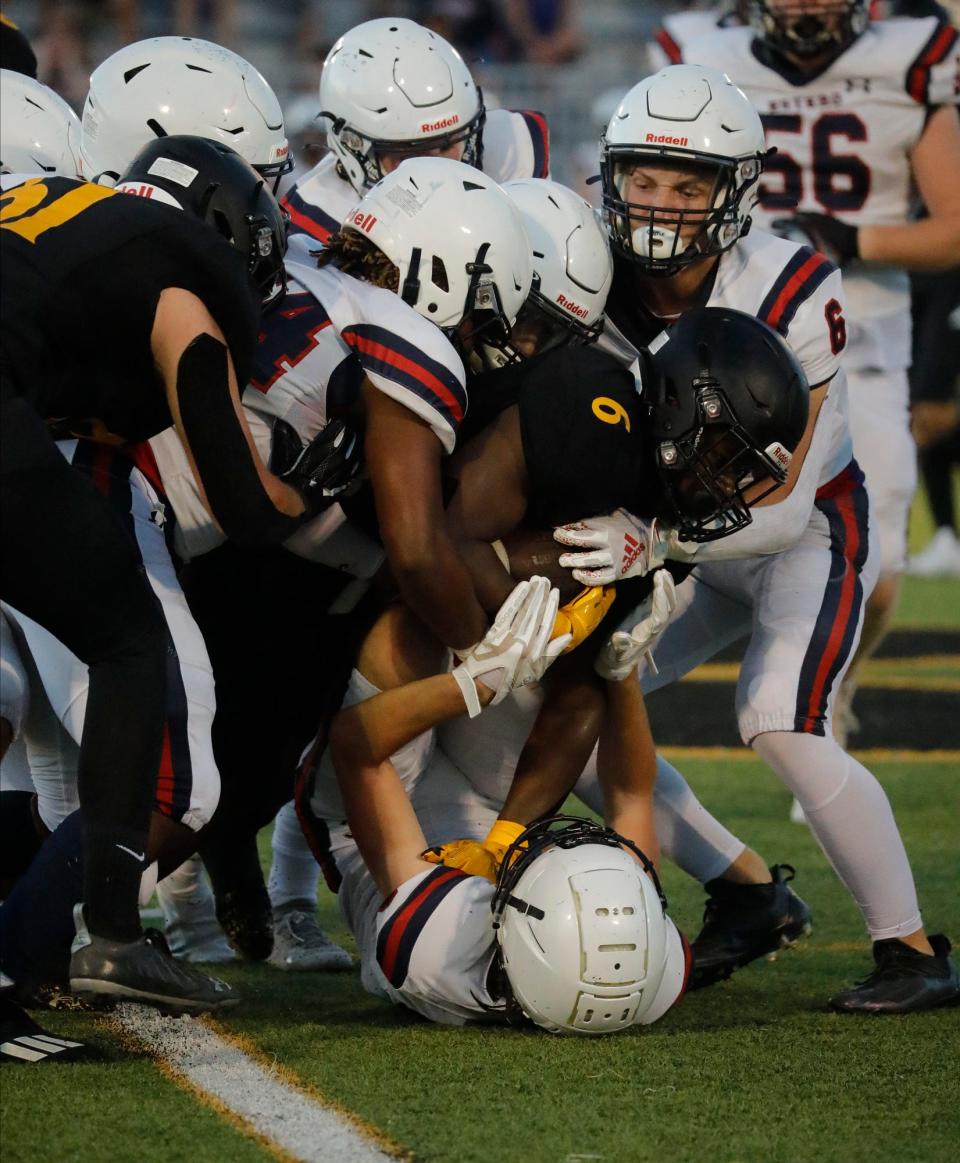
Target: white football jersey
<point>843,141</point>
<point>793,289</point>
<point>435,945</point>
<point>683,28</point>
<point>317,346</point>
<point>515,145</point>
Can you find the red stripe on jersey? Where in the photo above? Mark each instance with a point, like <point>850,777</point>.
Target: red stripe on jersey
<point>142,456</point>
<point>844,482</point>
<point>308,225</point>
<point>164,791</point>
<point>687,966</point>
<point>782,302</point>
<point>848,591</point>
<point>669,46</point>
<point>395,359</point>
<point>918,75</point>
<point>100,468</point>
<point>544,159</point>
<point>402,919</point>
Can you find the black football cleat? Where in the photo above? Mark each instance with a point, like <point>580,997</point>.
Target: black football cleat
<point>742,922</point>
<point>143,971</point>
<point>23,1042</point>
<point>904,981</point>
<point>247,920</point>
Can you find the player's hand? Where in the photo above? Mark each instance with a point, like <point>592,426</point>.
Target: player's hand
<point>621,655</point>
<point>511,651</point>
<point>474,858</point>
<point>470,856</point>
<point>838,240</point>
<point>610,548</point>
<point>326,467</point>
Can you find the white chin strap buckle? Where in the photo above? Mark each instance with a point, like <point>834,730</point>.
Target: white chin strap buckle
<point>657,242</point>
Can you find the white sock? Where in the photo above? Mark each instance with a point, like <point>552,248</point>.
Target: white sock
<point>852,821</point>
<point>294,873</point>
<point>688,834</point>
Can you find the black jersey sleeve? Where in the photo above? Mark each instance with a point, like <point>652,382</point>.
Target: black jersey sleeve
<point>584,437</point>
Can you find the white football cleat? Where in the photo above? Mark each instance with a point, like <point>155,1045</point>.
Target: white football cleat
<point>189,914</point>
<point>300,944</point>
<point>941,557</point>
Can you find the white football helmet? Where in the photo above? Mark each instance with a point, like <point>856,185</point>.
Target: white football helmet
<point>683,115</point>
<point>393,86</point>
<point>179,85</point>
<point>586,945</point>
<point>457,240</point>
<point>39,132</point>
<point>572,267</point>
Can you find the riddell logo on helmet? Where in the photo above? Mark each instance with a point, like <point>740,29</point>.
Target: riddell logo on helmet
<point>364,221</point>
<point>666,139</point>
<point>573,308</point>
<point>443,123</point>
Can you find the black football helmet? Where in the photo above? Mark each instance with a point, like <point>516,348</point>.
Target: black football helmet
<point>728,404</point>
<point>808,28</point>
<point>210,180</point>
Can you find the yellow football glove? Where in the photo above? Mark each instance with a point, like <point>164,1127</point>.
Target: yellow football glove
<point>469,856</point>
<point>474,858</point>
<point>584,614</point>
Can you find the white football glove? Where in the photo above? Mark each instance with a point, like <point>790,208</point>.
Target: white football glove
<point>516,650</point>
<point>619,658</point>
<point>612,548</point>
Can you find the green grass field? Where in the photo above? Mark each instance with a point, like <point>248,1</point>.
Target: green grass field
<point>753,1071</point>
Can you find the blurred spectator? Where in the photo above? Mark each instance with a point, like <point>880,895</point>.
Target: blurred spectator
<point>545,32</point>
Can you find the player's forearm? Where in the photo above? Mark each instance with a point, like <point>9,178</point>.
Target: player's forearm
<point>437,586</point>
<point>627,767</point>
<point>368,733</point>
<point>556,750</point>
<point>932,244</point>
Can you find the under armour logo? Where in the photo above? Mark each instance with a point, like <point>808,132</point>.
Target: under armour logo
<point>862,84</point>
<point>632,548</point>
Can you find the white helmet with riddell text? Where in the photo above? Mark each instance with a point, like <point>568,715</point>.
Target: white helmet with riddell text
<point>457,240</point>
<point>586,945</point>
<point>393,86</point>
<point>173,85</point>
<point>39,132</point>
<point>572,267</point>
<point>683,116</point>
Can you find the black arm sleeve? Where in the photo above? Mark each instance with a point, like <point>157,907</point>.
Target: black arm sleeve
<point>229,475</point>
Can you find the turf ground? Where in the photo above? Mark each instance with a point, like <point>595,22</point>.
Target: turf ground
<point>753,1070</point>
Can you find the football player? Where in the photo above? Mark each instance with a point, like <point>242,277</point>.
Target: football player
<point>391,89</point>
<point>860,113</point>
<point>179,84</point>
<point>796,577</point>
<point>39,132</point>
<point>445,941</point>
<point>343,350</point>
<point>185,305</point>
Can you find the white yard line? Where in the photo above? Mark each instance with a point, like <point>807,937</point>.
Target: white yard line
<point>299,1125</point>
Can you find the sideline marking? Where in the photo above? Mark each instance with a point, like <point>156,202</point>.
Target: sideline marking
<point>879,674</point>
<point>286,1121</point>
<point>865,754</point>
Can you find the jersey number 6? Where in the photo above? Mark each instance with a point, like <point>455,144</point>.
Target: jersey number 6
<point>609,411</point>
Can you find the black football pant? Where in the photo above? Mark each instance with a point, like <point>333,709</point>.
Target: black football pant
<point>68,564</point>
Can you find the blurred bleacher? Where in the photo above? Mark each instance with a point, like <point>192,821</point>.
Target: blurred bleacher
<point>286,40</point>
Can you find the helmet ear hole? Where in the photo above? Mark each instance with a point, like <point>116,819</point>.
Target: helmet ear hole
<point>438,276</point>
<point>222,224</point>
